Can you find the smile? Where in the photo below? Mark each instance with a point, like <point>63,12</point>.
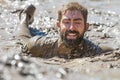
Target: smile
<point>72,36</point>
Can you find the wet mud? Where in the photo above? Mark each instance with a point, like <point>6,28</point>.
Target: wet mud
<point>104,17</point>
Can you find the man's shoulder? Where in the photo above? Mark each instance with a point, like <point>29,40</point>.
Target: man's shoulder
<point>47,39</point>
<point>92,47</point>
<point>42,45</point>
<point>88,42</point>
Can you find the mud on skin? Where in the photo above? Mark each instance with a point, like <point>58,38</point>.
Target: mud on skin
<point>104,30</point>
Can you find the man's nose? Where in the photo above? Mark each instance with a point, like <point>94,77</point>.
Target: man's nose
<point>72,27</point>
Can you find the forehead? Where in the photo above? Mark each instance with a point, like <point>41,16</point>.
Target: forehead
<point>72,14</point>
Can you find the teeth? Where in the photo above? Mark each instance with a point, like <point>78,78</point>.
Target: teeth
<point>71,34</point>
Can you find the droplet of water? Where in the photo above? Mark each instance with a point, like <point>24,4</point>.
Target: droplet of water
<point>17,57</point>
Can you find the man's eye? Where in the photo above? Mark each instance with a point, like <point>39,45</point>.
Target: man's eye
<point>66,22</point>
<point>77,22</point>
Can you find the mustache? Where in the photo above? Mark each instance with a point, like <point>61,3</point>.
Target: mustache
<point>69,31</point>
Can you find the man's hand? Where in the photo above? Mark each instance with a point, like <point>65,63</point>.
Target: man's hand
<point>29,13</point>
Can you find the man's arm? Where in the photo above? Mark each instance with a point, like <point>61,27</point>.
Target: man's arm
<point>26,18</point>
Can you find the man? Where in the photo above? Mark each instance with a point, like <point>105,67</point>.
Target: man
<point>72,24</point>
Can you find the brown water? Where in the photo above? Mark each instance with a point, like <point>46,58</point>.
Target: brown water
<point>85,69</point>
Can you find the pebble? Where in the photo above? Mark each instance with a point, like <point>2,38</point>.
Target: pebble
<point>110,66</point>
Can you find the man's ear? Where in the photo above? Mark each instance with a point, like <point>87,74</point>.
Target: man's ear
<point>58,24</point>
<point>87,26</point>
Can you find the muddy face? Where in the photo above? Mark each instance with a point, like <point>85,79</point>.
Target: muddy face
<point>71,38</point>
<point>72,27</point>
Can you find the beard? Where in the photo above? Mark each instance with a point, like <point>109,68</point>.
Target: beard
<point>72,42</point>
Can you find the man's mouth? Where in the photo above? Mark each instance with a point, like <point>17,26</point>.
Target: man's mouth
<point>71,36</point>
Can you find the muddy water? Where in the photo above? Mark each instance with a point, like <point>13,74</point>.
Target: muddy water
<point>104,17</point>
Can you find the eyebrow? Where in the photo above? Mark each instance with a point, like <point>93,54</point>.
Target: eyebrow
<point>77,19</point>
<point>74,19</point>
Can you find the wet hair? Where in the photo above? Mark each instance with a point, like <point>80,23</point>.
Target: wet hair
<point>73,6</point>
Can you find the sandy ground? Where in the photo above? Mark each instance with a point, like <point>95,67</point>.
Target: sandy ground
<point>103,31</point>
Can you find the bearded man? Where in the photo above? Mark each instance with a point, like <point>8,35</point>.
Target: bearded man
<point>72,25</point>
